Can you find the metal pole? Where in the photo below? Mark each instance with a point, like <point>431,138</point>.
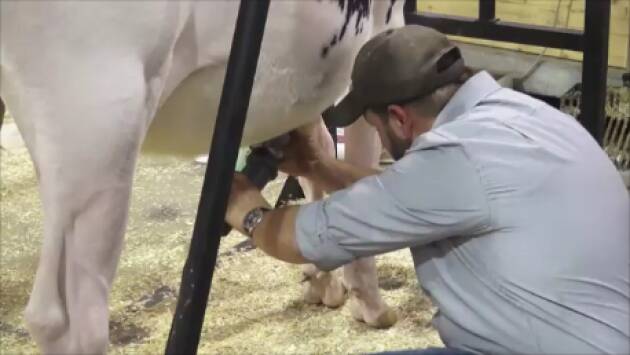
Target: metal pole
<point>332,129</point>
<point>496,30</point>
<point>486,10</point>
<point>595,67</point>
<point>199,267</point>
<point>290,191</point>
<point>2,110</point>
<point>333,134</point>
<point>410,7</point>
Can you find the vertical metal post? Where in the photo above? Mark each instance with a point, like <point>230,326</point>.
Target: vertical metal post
<point>291,191</point>
<point>331,128</point>
<point>2,110</point>
<point>199,268</point>
<point>595,67</point>
<point>410,8</point>
<point>333,133</point>
<point>486,10</point>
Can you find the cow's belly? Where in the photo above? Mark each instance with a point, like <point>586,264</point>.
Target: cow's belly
<point>293,85</point>
<point>185,122</point>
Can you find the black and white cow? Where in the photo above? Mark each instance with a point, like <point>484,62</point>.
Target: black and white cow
<point>88,81</point>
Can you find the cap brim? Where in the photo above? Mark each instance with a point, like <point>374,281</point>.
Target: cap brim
<point>346,112</point>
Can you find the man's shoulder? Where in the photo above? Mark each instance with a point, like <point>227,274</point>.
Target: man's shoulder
<point>506,114</point>
<point>433,139</point>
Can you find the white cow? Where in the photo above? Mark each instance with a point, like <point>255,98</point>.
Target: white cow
<point>85,81</point>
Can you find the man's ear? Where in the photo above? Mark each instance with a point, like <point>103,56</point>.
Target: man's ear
<point>400,122</point>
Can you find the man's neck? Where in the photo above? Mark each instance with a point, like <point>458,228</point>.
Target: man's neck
<point>422,125</point>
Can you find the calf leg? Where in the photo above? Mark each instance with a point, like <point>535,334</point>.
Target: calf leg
<point>363,148</point>
<point>84,145</point>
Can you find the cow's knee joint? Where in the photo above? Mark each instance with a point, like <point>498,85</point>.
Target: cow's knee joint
<point>45,323</point>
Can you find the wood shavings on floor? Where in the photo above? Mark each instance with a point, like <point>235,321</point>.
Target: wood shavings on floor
<point>256,303</point>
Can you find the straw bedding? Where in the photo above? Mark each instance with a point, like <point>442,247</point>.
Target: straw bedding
<point>255,306</point>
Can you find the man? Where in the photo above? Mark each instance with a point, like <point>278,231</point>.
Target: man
<point>517,221</point>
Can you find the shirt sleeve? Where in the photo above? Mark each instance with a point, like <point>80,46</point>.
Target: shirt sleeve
<point>428,195</point>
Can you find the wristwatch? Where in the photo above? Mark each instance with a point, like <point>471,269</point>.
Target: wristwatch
<point>252,219</point>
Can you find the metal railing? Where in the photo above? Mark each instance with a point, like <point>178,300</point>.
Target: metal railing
<point>592,42</point>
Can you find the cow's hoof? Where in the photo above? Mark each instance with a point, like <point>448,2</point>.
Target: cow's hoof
<point>382,319</point>
<point>311,294</point>
<point>334,294</point>
<point>323,288</point>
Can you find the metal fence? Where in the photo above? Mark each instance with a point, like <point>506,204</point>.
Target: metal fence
<point>593,42</point>
<point>616,139</point>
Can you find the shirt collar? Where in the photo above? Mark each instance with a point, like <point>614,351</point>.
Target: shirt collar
<point>475,89</point>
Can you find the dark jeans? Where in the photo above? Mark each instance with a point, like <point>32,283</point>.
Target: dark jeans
<point>429,351</point>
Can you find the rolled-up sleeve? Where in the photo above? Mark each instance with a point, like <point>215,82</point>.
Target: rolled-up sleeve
<point>426,196</point>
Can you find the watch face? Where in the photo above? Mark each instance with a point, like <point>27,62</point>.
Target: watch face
<point>252,219</point>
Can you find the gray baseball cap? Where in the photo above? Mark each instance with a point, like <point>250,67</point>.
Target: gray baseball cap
<point>395,66</point>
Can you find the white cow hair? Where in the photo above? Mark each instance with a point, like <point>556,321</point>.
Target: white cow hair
<point>85,81</point>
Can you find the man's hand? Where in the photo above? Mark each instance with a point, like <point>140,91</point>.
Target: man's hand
<point>244,197</point>
<point>275,235</point>
<point>305,149</point>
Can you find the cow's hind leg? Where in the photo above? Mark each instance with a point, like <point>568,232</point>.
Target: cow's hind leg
<point>84,144</point>
<point>321,286</point>
<point>363,148</point>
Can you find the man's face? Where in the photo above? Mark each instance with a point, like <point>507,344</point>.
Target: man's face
<point>395,142</point>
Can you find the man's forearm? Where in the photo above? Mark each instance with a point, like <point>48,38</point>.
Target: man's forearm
<point>332,174</point>
<point>275,235</point>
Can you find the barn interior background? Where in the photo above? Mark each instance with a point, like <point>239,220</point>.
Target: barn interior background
<point>256,302</point>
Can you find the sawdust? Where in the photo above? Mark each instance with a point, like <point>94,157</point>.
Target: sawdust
<point>255,305</point>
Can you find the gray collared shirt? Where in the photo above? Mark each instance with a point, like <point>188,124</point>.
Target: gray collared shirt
<point>517,222</point>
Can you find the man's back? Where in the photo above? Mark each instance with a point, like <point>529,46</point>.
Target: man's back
<point>552,272</point>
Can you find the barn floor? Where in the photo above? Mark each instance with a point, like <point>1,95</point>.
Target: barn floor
<point>255,306</point>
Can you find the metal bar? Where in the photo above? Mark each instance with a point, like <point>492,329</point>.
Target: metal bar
<point>291,191</point>
<point>410,7</point>
<point>500,31</point>
<point>331,129</point>
<point>2,110</point>
<point>595,67</point>
<point>199,268</point>
<point>333,134</point>
<point>486,10</point>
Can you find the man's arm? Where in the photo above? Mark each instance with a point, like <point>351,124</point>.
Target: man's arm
<point>427,196</point>
<point>332,174</point>
<point>307,156</point>
<point>275,235</point>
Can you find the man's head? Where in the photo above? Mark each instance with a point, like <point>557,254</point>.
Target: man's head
<point>401,80</point>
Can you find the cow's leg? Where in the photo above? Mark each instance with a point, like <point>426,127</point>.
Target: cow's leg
<point>84,144</point>
<point>321,287</point>
<point>363,148</point>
